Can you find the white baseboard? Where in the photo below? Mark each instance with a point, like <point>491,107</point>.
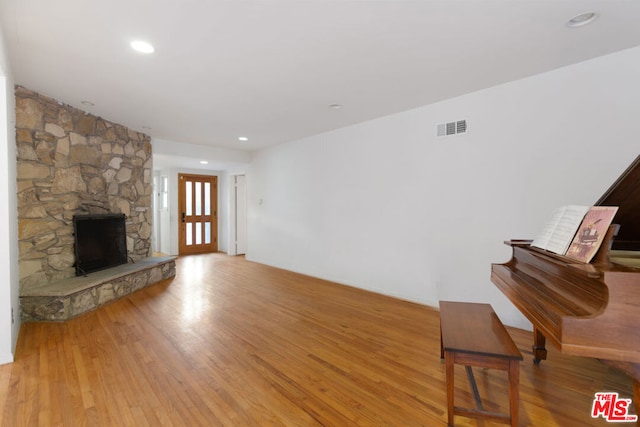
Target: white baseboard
<point>6,358</point>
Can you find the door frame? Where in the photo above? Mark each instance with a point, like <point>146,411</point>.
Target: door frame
<point>235,216</point>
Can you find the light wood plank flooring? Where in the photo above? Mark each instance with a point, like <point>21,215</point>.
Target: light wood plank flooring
<point>234,343</point>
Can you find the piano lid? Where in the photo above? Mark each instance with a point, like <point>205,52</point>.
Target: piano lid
<point>625,193</point>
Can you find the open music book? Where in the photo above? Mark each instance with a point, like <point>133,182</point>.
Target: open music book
<point>576,231</point>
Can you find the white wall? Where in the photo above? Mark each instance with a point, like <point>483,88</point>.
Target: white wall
<point>167,154</point>
<point>8,215</point>
<point>388,206</point>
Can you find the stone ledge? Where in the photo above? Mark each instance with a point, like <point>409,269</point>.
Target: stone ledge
<point>72,297</point>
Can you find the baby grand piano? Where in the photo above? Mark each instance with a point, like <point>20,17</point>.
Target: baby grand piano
<point>590,310</point>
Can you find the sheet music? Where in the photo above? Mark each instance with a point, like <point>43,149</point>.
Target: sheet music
<point>561,228</point>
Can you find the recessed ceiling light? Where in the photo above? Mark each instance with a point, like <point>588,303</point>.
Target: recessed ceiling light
<point>142,46</point>
<point>204,162</point>
<point>87,103</point>
<point>335,106</point>
<point>582,19</point>
<point>243,138</point>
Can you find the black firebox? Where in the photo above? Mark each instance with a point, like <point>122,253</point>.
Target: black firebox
<point>100,242</point>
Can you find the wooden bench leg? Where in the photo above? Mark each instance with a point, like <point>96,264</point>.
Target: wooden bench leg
<point>448,361</point>
<point>514,384</point>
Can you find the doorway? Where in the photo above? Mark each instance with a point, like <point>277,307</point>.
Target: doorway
<point>239,214</point>
<point>197,214</point>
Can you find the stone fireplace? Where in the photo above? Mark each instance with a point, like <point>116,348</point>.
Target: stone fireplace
<point>71,163</point>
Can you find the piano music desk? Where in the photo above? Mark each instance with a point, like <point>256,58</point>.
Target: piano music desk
<point>471,334</point>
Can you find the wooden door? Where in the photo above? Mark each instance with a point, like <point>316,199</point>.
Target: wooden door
<point>198,214</point>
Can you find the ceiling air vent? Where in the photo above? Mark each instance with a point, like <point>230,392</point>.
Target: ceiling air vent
<point>452,128</point>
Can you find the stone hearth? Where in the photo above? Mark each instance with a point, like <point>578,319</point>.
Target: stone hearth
<point>71,297</point>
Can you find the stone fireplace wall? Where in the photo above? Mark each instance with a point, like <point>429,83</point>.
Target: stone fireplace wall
<point>71,162</point>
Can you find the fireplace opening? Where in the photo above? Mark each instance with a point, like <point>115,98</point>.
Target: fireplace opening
<point>100,242</point>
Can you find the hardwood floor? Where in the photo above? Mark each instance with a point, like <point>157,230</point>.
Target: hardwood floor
<point>234,343</point>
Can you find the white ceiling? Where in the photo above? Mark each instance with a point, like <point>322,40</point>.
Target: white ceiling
<point>268,70</point>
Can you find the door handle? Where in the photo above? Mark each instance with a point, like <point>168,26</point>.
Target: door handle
<point>182,216</point>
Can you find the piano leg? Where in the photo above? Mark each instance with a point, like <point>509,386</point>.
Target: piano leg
<point>539,349</point>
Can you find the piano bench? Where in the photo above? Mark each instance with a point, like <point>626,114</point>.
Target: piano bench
<point>472,335</point>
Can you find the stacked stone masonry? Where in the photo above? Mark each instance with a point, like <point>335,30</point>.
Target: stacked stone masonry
<point>71,162</point>
<point>69,298</point>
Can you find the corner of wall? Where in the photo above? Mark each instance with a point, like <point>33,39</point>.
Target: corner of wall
<point>9,295</point>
